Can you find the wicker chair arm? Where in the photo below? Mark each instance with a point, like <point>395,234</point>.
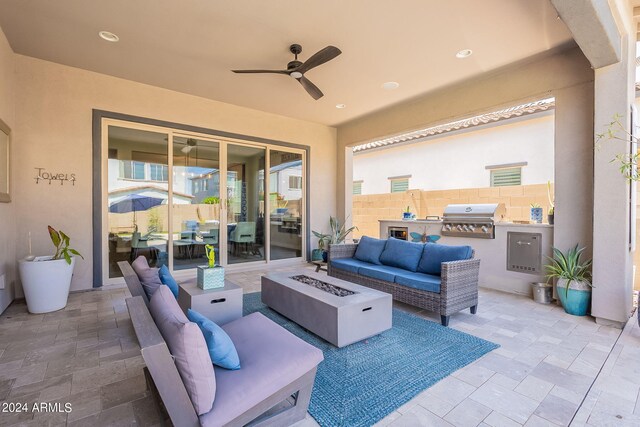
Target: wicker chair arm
<point>346,250</point>
<point>459,274</point>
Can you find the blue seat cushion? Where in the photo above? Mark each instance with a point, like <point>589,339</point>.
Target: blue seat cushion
<point>402,254</point>
<point>369,249</point>
<point>435,254</point>
<point>425,282</point>
<point>381,272</point>
<point>349,264</point>
<point>221,349</point>
<point>167,279</point>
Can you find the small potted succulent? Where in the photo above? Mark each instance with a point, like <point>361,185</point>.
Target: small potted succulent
<point>536,213</point>
<point>210,276</point>
<point>573,277</point>
<point>46,279</point>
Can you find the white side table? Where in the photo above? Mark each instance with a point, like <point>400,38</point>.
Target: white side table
<point>222,305</point>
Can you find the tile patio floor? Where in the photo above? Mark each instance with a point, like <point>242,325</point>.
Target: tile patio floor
<point>551,369</point>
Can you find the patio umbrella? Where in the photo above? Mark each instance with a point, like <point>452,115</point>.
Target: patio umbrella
<point>134,203</point>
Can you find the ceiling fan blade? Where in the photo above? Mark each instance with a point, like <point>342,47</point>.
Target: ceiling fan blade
<point>311,88</point>
<point>261,71</point>
<point>319,58</point>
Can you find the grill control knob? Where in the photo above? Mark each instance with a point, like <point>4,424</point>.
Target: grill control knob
<point>447,227</point>
<point>484,229</point>
<point>471,228</point>
<point>459,227</point>
<point>465,228</point>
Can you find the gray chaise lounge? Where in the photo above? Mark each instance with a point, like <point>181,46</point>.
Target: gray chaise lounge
<point>454,289</point>
<point>278,370</point>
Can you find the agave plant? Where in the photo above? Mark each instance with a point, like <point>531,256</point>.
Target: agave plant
<point>569,267</point>
<point>337,235</point>
<point>61,242</point>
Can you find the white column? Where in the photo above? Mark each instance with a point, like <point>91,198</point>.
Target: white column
<point>612,213</point>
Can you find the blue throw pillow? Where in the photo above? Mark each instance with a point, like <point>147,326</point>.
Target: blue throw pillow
<point>402,254</point>
<point>435,254</point>
<point>167,279</point>
<point>369,249</point>
<point>221,349</point>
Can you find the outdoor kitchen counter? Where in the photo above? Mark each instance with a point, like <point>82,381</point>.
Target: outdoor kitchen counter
<point>492,252</point>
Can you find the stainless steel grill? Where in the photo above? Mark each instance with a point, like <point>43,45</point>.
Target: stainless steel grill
<point>477,221</point>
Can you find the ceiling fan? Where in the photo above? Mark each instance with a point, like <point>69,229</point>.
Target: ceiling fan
<point>296,69</point>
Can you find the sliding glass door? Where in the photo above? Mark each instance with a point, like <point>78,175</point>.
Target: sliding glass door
<point>167,194</point>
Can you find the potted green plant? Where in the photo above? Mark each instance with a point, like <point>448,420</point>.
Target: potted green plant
<point>573,276</point>
<point>337,235</point>
<point>536,213</point>
<point>210,276</point>
<point>406,214</point>
<point>46,279</point>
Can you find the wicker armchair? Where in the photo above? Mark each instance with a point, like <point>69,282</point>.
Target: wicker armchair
<point>458,287</point>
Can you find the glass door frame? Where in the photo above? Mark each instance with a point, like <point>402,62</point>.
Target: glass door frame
<point>101,242</point>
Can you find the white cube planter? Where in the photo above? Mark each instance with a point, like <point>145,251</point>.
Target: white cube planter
<point>210,278</point>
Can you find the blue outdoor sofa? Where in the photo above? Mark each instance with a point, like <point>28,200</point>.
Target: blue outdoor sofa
<point>432,276</point>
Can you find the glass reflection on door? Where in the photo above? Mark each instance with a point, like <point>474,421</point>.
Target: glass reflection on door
<point>137,197</point>
<point>196,201</point>
<point>285,204</point>
<point>245,210</point>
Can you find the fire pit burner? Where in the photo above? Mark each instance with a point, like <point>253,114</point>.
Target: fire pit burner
<point>323,286</point>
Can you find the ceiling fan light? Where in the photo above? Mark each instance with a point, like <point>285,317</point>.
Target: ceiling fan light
<point>296,74</point>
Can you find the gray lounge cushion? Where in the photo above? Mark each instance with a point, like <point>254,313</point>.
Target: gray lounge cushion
<point>402,254</point>
<point>148,276</point>
<point>188,347</point>
<point>271,358</point>
<point>369,249</point>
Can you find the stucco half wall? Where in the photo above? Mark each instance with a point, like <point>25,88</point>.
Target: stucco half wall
<point>54,105</point>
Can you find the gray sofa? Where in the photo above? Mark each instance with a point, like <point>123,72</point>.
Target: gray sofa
<point>435,277</point>
<point>278,369</point>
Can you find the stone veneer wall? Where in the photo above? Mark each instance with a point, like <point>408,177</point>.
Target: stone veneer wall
<point>368,209</point>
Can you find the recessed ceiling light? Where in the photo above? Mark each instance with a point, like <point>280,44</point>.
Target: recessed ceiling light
<point>108,36</point>
<point>341,106</point>
<point>464,53</point>
<point>390,85</point>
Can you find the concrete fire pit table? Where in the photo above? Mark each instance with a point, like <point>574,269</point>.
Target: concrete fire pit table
<point>336,310</point>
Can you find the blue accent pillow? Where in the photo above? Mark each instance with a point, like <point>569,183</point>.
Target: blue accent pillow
<point>369,249</point>
<point>435,254</point>
<point>167,279</point>
<point>402,254</point>
<point>221,349</point>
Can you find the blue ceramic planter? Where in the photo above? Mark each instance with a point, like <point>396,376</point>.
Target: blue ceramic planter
<point>536,215</point>
<point>407,215</point>
<point>575,302</point>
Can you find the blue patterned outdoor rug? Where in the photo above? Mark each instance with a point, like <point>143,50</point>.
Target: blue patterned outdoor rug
<point>360,384</point>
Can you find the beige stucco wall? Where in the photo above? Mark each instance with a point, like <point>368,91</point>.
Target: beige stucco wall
<point>54,115</point>
<point>7,210</point>
<point>369,209</point>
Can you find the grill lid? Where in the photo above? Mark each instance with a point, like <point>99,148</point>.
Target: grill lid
<point>487,211</point>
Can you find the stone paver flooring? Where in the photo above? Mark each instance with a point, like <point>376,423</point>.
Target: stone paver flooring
<point>551,369</point>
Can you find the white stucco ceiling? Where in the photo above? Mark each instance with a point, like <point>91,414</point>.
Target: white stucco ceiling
<point>190,46</point>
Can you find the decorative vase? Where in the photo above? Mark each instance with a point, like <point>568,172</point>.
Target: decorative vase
<point>316,255</point>
<point>576,300</point>
<point>536,215</point>
<point>550,218</point>
<point>210,278</point>
<point>46,283</point>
